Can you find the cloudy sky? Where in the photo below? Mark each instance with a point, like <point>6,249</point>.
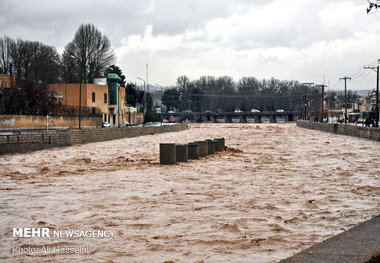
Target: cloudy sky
<point>300,40</point>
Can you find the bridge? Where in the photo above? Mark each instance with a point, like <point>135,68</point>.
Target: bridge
<point>288,116</point>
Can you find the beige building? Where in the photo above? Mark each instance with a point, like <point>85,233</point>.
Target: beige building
<point>107,100</point>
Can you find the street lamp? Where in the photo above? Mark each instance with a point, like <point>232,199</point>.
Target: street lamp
<point>80,89</point>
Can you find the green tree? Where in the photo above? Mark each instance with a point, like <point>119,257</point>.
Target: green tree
<point>132,95</point>
<point>116,70</point>
<point>170,98</point>
<point>150,113</point>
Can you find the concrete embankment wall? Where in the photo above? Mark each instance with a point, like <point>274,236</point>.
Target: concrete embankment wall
<point>19,141</point>
<point>370,133</point>
<point>360,244</point>
<point>36,121</point>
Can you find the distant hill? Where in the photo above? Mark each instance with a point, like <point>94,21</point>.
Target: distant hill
<point>361,93</point>
<point>152,88</point>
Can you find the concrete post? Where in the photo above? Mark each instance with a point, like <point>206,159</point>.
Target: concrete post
<point>193,151</point>
<point>335,128</point>
<point>228,119</point>
<point>272,119</point>
<point>243,118</point>
<point>221,144</point>
<point>202,148</point>
<point>210,147</point>
<point>167,153</point>
<point>181,152</point>
<point>216,145</point>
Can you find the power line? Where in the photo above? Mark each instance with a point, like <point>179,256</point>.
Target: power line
<point>359,72</point>
<point>372,5</point>
<point>368,72</point>
<point>359,75</point>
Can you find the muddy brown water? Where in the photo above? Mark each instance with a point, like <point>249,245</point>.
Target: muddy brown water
<point>275,191</point>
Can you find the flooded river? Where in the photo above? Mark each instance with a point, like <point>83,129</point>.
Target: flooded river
<point>275,191</point>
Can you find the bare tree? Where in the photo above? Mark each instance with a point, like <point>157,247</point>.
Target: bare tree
<point>34,62</point>
<point>89,53</point>
<point>5,55</point>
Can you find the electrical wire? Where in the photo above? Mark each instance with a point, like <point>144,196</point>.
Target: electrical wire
<point>372,13</point>
<point>362,71</point>
<point>368,72</point>
<point>336,84</point>
<point>358,72</point>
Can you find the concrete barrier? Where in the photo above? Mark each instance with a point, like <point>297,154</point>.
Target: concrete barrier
<point>167,153</point>
<point>210,147</point>
<point>181,153</point>
<point>193,151</point>
<point>202,148</point>
<point>220,144</point>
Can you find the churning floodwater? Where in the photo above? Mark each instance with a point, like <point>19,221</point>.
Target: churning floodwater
<point>275,191</point>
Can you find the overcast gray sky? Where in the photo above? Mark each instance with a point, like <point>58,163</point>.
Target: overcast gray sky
<point>301,40</point>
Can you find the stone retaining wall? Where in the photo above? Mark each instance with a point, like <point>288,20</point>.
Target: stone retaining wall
<point>19,141</point>
<point>36,121</point>
<point>370,133</point>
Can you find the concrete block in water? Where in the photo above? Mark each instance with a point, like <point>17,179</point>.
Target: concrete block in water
<point>202,148</point>
<point>193,151</point>
<point>181,152</point>
<point>167,153</point>
<point>210,147</point>
<point>221,144</point>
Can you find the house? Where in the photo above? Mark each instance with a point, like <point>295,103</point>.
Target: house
<point>96,99</point>
<point>368,104</point>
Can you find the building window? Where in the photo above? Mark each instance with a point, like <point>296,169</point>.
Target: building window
<point>105,98</point>
<point>93,97</point>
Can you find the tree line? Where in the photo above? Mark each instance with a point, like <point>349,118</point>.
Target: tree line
<point>35,65</point>
<point>214,94</point>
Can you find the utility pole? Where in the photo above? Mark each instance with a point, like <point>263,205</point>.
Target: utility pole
<point>377,98</point>
<point>377,93</point>
<point>345,97</point>
<point>307,85</point>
